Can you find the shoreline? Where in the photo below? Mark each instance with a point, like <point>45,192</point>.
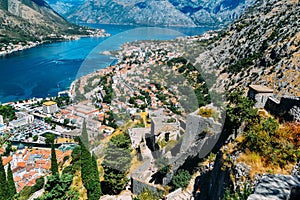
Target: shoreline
<point>13,48</point>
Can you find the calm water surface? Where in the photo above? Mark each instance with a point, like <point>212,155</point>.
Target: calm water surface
<point>47,69</point>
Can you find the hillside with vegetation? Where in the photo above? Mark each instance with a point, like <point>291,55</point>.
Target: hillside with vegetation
<point>33,20</point>
<point>261,47</point>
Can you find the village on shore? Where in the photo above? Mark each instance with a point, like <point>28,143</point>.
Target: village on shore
<point>117,95</point>
<point>139,95</point>
<point>6,49</point>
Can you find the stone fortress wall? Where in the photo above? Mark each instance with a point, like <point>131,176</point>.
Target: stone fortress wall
<point>287,108</point>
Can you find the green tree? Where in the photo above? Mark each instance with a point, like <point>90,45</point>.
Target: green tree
<point>239,109</point>
<point>35,138</point>
<point>48,120</point>
<point>59,188</point>
<point>3,184</point>
<point>8,149</point>
<point>116,163</point>
<point>96,193</point>
<point>10,182</point>
<point>84,136</point>
<point>8,112</point>
<point>66,121</point>
<point>86,166</point>
<point>49,138</point>
<point>89,169</point>
<point>54,165</point>
<point>95,166</point>
<point>76,158</point>
<point>181,179</point>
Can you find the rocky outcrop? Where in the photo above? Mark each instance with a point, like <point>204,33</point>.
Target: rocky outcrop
<point>296,170</point>
<point>162,12</point>
<point>277,187</point>
<point>262,47</point>
<point>66,6</point>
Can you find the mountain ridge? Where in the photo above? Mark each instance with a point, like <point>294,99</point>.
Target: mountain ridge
<point>33,20</point>
<point>153,12</point>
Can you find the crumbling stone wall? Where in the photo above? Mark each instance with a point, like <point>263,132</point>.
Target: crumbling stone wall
<point>287,108</point>
<point>200,137</point>
<point>138,186</point>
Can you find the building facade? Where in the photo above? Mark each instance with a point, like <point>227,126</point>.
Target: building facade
<point>260,95</point>
<point>50,107</point>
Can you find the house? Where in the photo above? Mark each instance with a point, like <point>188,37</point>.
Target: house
<point>259,94</point>
<point>23,119</point>
<point>50,107</point>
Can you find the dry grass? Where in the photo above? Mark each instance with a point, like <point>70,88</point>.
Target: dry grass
<point>144,117</point>
<point>257,166</point>
<point>135,163</point>
<point>78,186</point>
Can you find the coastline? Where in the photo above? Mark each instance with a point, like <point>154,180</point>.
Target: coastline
<point>10,48</point>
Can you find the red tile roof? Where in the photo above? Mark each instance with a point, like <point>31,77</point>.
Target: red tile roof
<point>21,184</point>
<point>6,160</point>
<point>17,178</point>
<point>21,164</point>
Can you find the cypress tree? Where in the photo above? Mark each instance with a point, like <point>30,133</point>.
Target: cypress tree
<point>84,136</point>
<point>86,169</point>
<point>95,165</point>
<point>89,168</point>
<point>10,182</point>
<point>97,186</point>
<point>3,183</point>
<point>85,156</point>
<point>54,166</point>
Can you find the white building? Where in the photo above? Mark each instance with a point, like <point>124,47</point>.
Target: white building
<point>1,119</point>
<point>26,119</point>
<point>50,107</point>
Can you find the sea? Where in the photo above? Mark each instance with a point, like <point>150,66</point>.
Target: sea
<point>44,70</point>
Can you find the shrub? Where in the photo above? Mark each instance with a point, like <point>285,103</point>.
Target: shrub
<point>148,195</point>
<point>181,179</point>
<point>278,146</point>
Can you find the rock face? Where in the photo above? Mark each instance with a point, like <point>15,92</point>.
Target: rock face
<point>23,20</point>
<point>277,187</point>
<point>153,12</point>
<point>66,6</point>
<point>262,47</point>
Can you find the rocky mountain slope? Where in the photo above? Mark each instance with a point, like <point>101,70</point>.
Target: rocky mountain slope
<point>31,20</point>
<point>262,47</point>
<point>66,6</point>
<point>162,12</point>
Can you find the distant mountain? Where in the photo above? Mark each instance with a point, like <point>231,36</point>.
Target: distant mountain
<point>153,12</point>
<point>64,7</point>
<point>31,20</point>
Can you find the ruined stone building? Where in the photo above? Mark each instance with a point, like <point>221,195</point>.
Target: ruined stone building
<point>285,107</point>
<point>260,94</point>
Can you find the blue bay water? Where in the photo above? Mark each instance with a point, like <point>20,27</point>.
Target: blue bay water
<point>47,69</point>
